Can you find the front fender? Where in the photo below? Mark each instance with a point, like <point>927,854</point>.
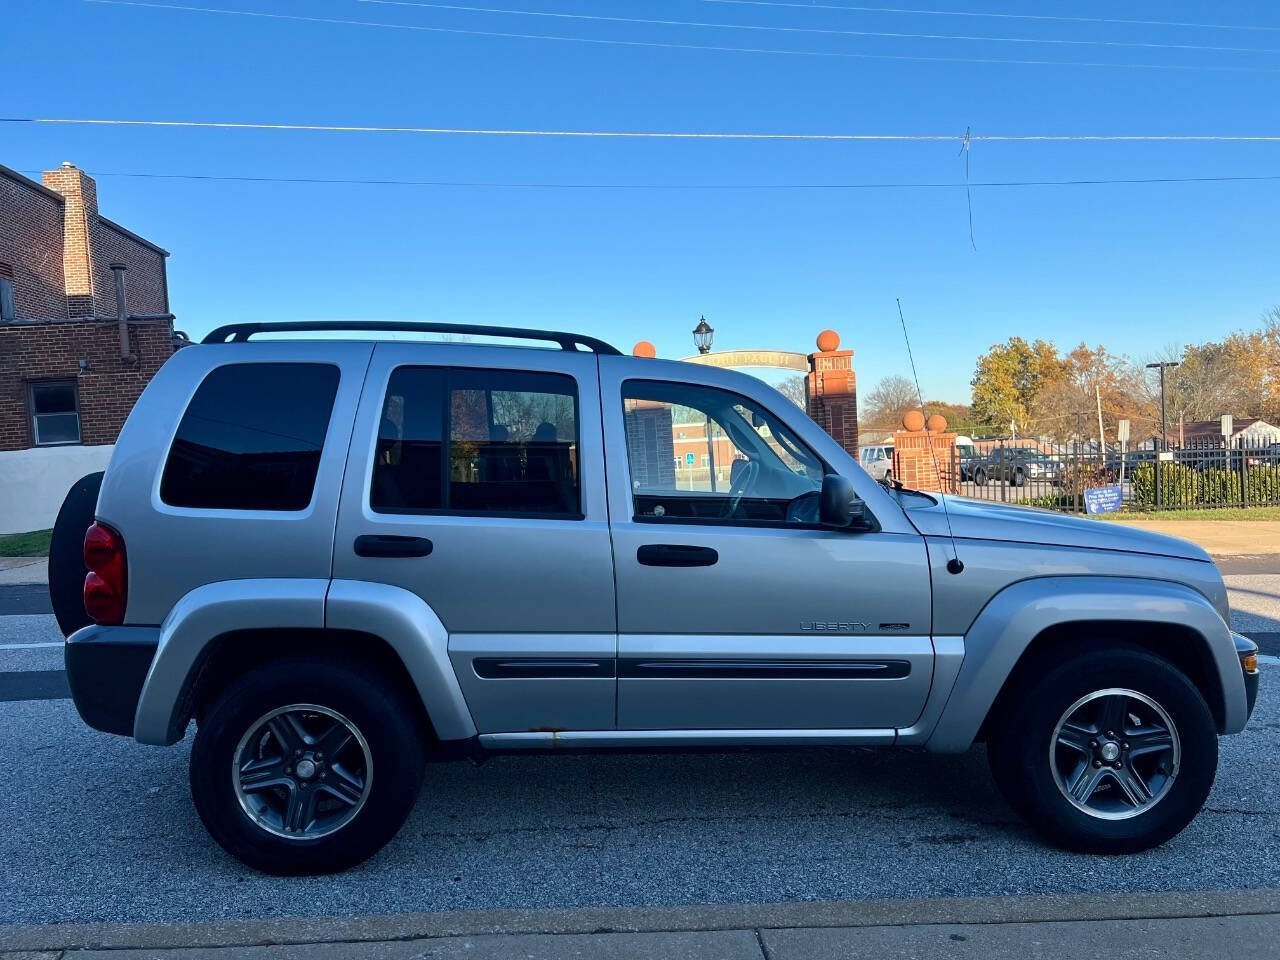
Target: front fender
<point>201,615</point>
<point>1015,616</point>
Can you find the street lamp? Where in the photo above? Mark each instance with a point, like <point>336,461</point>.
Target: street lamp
<point>703,335</point>
<point>1164,431</point>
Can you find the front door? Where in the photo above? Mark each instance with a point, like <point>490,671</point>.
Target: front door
<point>476,481</point>
<point>735,609</point>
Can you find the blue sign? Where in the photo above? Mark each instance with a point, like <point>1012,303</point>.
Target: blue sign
<point>688,459</point>
<point>1102,499</point>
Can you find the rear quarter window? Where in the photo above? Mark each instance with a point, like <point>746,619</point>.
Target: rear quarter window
<point>251,438</point>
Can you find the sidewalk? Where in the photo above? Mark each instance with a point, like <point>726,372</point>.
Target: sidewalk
<point>24,570</point>
<point>1222,538</point>
<point>1185,925</point>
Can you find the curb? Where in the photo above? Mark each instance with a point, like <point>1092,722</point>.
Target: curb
<point>599,920</point>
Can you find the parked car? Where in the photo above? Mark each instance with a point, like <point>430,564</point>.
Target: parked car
<point>342,558</point>
<point>877,460</point>
<point>1016,465</point>
<point>967,457</point>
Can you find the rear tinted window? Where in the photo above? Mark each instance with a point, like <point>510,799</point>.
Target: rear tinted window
<point>251,438</point>
<point>478,442</point>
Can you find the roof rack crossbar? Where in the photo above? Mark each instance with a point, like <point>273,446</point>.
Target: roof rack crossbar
<point>241,332</point>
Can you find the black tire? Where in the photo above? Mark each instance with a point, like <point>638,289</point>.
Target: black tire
<point>980,478</point>
<point>66,554</point>
<point>1018,749</point>
<point>382,713</point>
<point>1019,478</point>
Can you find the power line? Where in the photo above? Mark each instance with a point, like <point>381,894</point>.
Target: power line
<point>715,48</point>
<point>818,30</point>
<point>562,185</point>
<point>661,135</point>
<point>998,16</point>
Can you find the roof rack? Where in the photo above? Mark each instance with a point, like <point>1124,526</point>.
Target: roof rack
<point>241,332</point>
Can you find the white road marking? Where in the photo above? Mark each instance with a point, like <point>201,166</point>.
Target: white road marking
<point>32,646</point>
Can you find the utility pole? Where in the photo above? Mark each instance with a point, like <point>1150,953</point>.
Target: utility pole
<point>1162,366</point>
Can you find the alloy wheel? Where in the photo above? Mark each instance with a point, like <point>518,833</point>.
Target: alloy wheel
<point>1115,753</point>
<point>302,771</point>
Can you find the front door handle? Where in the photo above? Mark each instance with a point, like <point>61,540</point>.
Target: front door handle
<point>676,555</point>
<point>387,545</point>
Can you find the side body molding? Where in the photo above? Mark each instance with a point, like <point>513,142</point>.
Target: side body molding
<point>203,614</point>
<point>1013,618</point>
<point>404,621</point>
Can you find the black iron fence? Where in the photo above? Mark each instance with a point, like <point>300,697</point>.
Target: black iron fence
<point>1080,478</point>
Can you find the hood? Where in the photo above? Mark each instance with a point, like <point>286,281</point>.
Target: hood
<point>982,520</point>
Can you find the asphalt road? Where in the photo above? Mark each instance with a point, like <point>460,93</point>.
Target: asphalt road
<point>98,828</point>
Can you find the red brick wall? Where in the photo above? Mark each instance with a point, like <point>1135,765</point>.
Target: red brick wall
<point>31,245</point>
<point>145,293</point>
<point>108,387</point>
<point>833,396</point>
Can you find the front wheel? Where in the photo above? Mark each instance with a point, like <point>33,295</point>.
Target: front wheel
<point>1113,751</point>
<point>980,478</point>
<point>307,765</point>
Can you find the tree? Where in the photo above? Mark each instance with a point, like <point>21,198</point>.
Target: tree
<point>889,400</point>
<point>1008,379</point>
<point>1239,375</point>
<point>795,390</point>
<point>1067,407</point>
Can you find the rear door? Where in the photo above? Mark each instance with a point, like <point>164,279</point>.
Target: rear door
<point>491,459</point>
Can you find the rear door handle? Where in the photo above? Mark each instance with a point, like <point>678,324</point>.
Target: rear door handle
<point>387,545</point>
<point>676,555</point>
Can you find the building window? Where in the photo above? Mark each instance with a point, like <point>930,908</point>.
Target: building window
<point>55,415</point>
<point>251,438</point>
<point>478,442</point>
<point>8,312</point>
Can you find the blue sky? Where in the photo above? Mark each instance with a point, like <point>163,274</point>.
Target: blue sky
<point>1135,267</point>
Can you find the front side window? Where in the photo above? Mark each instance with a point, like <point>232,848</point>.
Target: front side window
<point>55,416</point>
<point>733,460</point>
<point>251,438</point>
<point>477,442</point>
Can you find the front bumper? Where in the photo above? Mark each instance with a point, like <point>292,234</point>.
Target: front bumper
<point>1246,648</point>
<point>106,668</point>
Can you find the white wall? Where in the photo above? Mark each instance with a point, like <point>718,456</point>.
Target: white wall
<point>34,482</point>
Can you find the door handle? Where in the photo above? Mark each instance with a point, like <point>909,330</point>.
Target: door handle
<point>676,555</point>
<point>388,545</point>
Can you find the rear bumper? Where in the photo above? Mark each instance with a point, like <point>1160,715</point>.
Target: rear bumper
<point>106,668</point>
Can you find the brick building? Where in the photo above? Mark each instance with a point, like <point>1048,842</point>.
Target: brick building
<point>84,325</point>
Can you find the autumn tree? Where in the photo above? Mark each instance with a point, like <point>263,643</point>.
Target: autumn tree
<point>1008,379</point>
<point>1067,406</point>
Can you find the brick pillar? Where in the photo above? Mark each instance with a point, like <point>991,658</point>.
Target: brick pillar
<point>831,391</point>
<point>79,220</point>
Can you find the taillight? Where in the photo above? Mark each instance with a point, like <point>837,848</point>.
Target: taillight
<point>105,585</point>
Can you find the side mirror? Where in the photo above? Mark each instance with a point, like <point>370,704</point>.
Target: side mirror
<point>838,503</point>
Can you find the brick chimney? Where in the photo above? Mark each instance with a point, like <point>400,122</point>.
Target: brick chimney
<point>79,217</point>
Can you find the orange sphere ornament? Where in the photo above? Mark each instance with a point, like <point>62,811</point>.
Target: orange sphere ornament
<point>828,341</point>
<point>913,422</point>
<point>937,423</point>
<point>644,349</point>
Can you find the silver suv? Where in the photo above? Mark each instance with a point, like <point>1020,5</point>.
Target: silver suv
<point>344,558</point>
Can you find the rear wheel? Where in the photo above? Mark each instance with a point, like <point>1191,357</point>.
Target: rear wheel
<point>307,765</point>
<point>1114,751</point>
<point>980,477</point>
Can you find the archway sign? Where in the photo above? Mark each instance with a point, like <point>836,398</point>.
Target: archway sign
<point>775,359</point>
<point>830,384</point>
